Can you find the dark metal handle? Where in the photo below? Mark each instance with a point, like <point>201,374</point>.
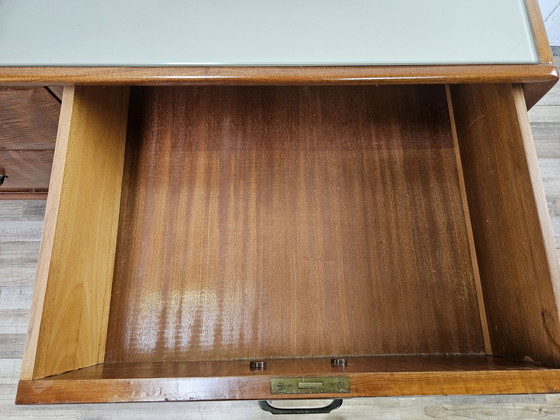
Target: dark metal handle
<point>2,178</point>
<point>336,403</point>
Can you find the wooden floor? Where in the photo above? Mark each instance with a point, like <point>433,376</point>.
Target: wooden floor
<point>20,230</point>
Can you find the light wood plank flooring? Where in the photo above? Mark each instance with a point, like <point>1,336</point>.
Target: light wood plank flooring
<point>20,230</point>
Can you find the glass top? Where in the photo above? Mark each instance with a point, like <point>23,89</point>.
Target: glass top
<point>264,32</point>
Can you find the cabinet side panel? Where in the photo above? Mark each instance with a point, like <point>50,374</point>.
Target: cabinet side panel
<point>26,169</point>
<point>28,117</point>
<point>73,286</point>
<point>515,248</point>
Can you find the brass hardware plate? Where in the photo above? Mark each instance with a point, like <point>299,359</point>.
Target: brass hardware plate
<point>310,385</point>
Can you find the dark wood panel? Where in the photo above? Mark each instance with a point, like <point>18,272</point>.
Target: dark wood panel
<point>28,119</point>
<point>57,91</point>
<point>514,243</point>
<point>285,222</point>
<point>26,169</point>
<point>426,376</point>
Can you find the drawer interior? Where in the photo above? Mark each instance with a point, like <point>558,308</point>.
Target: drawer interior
<point>252,226</point>
<point>204,227</point>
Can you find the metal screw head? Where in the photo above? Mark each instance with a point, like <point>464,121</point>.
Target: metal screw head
<point>336,362</point>
<point>257,365</point>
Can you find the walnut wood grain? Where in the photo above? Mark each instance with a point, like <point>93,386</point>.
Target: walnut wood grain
<point>70,304</point>
<point>56,91</point>
<point>28,119</point>
<point>372,376</point>
<point>26,169</point>
<point>515,248</point>
<point>287,222</point>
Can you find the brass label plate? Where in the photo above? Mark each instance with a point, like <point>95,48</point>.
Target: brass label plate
<point>310,385</point>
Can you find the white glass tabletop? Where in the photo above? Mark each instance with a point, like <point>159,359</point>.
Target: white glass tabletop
<point>264,32</point>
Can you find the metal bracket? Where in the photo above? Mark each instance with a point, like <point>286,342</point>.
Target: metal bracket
<point>310,385</point>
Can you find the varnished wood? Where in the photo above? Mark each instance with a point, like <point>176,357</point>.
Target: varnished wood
<point>515,248</point>
<point>28,119</point>
<point>535,91</point>
<point>57,91</point>
<point>374,376</point>
<point>26,169</point>
<point>19,218</point>
<point>270,75</point>
<point>296,367</point>
<point>290,222</point>
<point>28,123</point>
<point>543,75</point>
<point>72,291</point>
<point>472,247</point>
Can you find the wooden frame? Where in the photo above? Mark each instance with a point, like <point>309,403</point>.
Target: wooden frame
<point>505,252</point>
<point>270,75</point>
<point>212,381</point>
<point>537,78</point>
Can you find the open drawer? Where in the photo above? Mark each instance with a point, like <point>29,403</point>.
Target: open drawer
<point>192,230</point>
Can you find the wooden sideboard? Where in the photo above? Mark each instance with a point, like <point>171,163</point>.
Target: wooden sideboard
<point>284,232</point>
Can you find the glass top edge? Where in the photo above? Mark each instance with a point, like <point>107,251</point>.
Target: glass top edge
<point>265,65</point>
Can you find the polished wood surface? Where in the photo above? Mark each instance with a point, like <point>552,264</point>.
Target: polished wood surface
<point>227,380</point>
<point>535,91</point>
<point>270,75</point>
<point>295,367</point>
<point>28,119</point>
<point>470,236</point>
<point>26,169</point>
<point>72,291</point>
<point>289,222</point>
<point>514,243</point>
